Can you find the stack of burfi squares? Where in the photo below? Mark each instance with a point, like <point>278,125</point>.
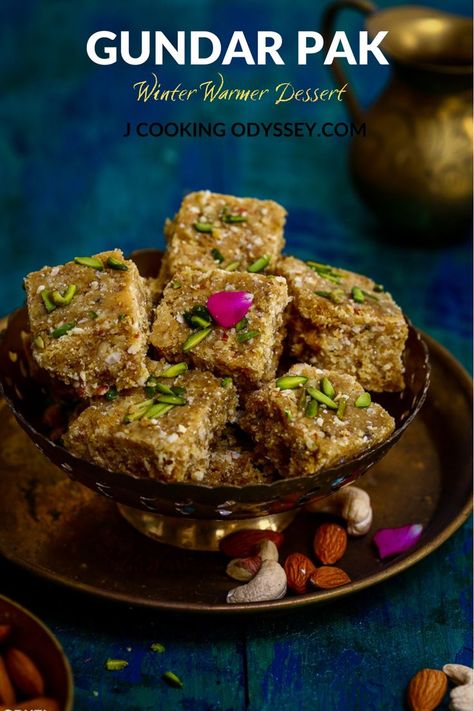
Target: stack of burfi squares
<point>235,365</point>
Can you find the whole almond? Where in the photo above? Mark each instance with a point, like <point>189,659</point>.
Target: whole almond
<point>328,576</point>
<point>426,690</point>
<point>45,703</point>
<point>244,569</point>
<point>4,632</point>
<point>7,692</point>
<point>243,544</point>
<point>330,543</point>
<point>298,569</point>
<point>24,673</point>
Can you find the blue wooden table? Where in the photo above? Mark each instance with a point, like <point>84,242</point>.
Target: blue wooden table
<point>69,183</point>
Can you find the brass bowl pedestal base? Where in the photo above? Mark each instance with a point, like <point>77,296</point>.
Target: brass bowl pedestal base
<point>198,534</point>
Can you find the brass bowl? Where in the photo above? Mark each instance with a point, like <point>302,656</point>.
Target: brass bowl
<point>31,636</point>
<point>169,511</point>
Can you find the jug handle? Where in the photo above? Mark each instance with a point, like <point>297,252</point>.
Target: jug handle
<point>328,22</point>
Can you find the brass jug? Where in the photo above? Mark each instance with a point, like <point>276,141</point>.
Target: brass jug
<point>414,166</point>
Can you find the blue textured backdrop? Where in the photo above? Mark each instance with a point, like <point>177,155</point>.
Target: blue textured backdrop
<point>69,183</point>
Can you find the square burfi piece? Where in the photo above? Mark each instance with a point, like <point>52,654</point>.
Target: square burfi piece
<point>300,434</point>
<point>213,231</point>
<point>89,322</point>
<point>248,352</point>
<point>344,321</point>
<point>141,436</point>
<point>233,461</point>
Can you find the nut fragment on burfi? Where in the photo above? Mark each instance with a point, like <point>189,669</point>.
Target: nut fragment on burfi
<point>233,461</point>
<point>311,419</point>
<point>163,432</point>
<point>89,322</point>
<point>213,231</point>
<point>344,321</point>
<point>249,350</point>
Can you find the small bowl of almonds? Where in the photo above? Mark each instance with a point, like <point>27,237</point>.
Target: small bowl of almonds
<point>34,671</point>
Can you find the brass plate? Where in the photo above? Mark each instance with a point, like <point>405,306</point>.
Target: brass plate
<point>64,532</point>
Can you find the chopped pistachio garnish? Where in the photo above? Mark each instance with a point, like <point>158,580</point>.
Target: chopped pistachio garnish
<point>327,387</point>
<point>61,330</point>
<point>203,227</point>
<point>163,389</point>
<point>140,405</point>
<point>61,300</point>
<point>152,386</point>
<point>157,647</point>
<point>176,285</point>
<point>116,664</point>
<point>369,295</point>
<point>39,342</point>
<point>337,296</point>
<point>48,304</point>
<point>259,265</point>
<point>157,410</point>
<point>172,680</point>
<point>325,271</point>
<point>225,382</point>
<point>363,400</point>
<point>357,294</point>
<point>290,382</point>
<point>198,317</point>
<point>319,267</point>
<point>247,336</point>
<point>378,287</point>
<point>178,391</point>
<point>312,408</point>
<point>243,323</point>
<point>302,399</point>
<point>111,394</point>
<point>217,255</point>
<point>137,411</point>
<point>91,262</point>
<point>289,414</point>
<point>92,314</point>
<point>122,317</point>
<point>322,398</point>
<point>174,370</point>
<point>331,277</point>
<point>232,266</point>
<point>114,263</point>
<point>341,408</point>
<point>199,322</point>
<point>171,400</point>
<point>228,217</point>
<point>196,338</point>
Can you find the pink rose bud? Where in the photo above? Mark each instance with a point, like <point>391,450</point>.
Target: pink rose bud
<point>227,308</point>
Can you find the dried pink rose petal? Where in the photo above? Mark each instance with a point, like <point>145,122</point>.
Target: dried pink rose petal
<point>391,541</point>
<point>227,308</point>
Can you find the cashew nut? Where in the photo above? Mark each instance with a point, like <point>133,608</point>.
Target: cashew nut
<point>462,696</point>
<point>244,569</point>
<point>268,584</point>
<point>352,503</point>
<point>267,550</point>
